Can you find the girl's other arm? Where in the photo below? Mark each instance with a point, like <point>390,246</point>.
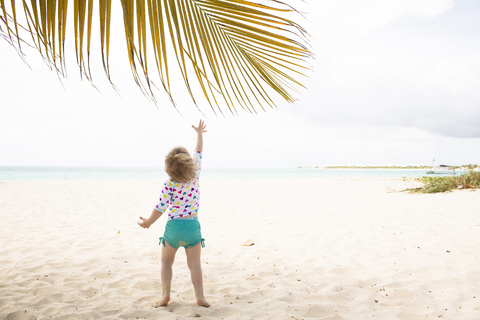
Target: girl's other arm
<point>200,130</point>
<point>146,223</point>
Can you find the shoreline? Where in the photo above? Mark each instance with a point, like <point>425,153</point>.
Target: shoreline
<point>122,174</point>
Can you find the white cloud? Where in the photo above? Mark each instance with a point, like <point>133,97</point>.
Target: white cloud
<point>342,19</point>
<point>389,76</point>
<point>428,8</point>
<point>411,73</point>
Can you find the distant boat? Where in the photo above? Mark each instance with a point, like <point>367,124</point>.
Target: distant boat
<point>439,169</point>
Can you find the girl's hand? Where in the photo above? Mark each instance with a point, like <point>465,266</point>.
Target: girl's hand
<point>144,223</point>
<point>200,130</point>
<point>201,127</point>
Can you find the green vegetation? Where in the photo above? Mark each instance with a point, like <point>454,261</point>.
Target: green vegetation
<point>378,167</point>
<point>468,180</point>
<point>465,167</point>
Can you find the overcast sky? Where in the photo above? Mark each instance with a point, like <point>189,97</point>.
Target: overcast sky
<point>390,77</point>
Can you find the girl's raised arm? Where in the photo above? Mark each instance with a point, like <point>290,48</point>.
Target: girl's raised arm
<point>200,130</point>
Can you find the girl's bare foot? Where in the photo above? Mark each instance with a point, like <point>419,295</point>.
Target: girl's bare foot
<point>162,302</point>
<point>203,303</point>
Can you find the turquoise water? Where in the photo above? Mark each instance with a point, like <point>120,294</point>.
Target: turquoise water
<point>94,173</point>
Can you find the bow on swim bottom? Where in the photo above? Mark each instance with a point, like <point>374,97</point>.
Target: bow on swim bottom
<point>182,233</point>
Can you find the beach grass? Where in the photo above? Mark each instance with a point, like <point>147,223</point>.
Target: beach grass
<point>468,180</point>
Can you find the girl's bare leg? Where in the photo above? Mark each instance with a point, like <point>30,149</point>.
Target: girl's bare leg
<point>195,266</point>
<point>168,257</point>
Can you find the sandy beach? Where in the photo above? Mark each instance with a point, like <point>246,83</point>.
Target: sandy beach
<point>325,248</point>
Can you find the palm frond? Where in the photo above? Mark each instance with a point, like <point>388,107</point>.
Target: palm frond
<point>243,53</point>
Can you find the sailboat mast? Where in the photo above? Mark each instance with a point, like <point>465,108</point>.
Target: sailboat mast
<point>437,147</point>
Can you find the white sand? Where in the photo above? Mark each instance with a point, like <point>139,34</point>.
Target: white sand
<point>340,249</point>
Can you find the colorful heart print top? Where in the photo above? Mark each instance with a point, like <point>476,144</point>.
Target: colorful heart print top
<point>182,199</point>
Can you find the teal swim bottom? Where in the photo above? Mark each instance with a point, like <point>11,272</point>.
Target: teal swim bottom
<point>182,233</point>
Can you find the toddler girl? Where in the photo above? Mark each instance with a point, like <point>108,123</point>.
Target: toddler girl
<point>180,197</point>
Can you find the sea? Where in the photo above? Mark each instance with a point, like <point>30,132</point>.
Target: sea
<point>12,173</point>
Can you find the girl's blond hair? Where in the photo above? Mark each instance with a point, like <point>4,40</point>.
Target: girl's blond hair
<point>179,165</point>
